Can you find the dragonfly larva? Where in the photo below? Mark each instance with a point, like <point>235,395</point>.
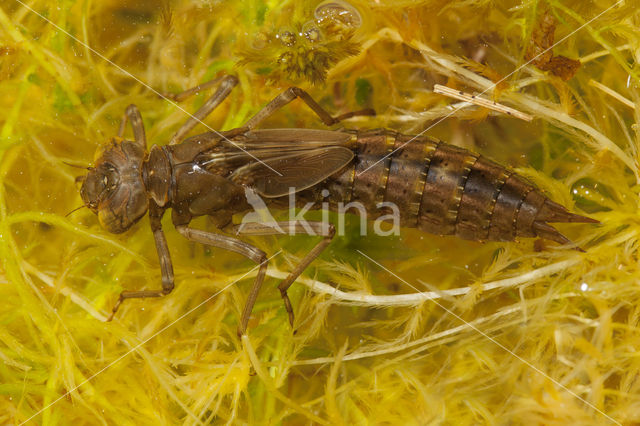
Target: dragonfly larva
<point>437,187</point>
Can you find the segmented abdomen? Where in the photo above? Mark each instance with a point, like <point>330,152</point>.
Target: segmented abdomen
<point>443,189</point>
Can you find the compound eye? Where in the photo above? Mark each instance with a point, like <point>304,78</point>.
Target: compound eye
<point>92,188</point>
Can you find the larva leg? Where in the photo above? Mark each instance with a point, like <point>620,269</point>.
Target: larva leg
<point>227,83</point>
<point>233,244</point>
<point>155,214</point>
<point>295,92</point>
<point>132,114</point>
<point>289,227</point>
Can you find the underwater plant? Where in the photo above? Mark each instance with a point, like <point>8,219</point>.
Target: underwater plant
<point>305,49</point>
<point>409,329</point>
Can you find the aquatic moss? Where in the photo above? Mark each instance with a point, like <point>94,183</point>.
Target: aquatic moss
<point>550,335</point>
<point>298,44</point>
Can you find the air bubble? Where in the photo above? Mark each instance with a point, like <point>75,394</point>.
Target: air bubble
<point>338,12</point>
<point>260,41</point>
<point>311,32</point>
<point>288,38</point>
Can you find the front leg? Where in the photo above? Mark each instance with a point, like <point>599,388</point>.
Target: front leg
<point>166,268</point>
<point>226,83</point>
<point>132,114</point>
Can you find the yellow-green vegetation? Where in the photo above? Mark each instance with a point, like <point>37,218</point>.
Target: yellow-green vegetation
<point>302,43</point>
<point>532,333</point>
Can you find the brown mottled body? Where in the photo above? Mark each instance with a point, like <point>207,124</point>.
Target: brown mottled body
<point>439,188</point>
<point>436,187</point>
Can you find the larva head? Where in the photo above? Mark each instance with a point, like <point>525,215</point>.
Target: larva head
<point>114,188</point>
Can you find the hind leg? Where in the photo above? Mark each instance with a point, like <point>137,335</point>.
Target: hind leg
<point>295,92</point>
